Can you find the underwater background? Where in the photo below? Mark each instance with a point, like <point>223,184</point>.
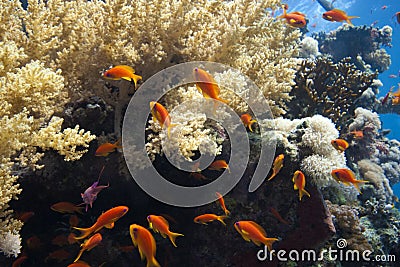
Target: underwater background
<point>66,81</point>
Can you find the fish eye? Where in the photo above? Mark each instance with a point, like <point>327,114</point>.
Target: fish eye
<point>135,229</point>
<point>196,69</point>
<point>149,217</point>
<point>237,223</point>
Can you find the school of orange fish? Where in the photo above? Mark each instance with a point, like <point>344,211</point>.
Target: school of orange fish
<point>141,236</point>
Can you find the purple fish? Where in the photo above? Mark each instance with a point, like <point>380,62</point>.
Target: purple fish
<point>90,194</point>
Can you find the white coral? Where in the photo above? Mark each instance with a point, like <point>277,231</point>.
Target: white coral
<point>10,244</point>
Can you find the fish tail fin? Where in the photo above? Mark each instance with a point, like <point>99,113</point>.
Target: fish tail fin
<point>250,124</point>
<point>303,192</point>
<point>85,232</point>
<point>118,143</point>
<point>172,236</point>
<point>169,129</point>
<point>222,218</point>
<point>269,241</point>
<point>359,182</point>
<point>272,176</point>
<point>284,13</point>
<point>152,262</point>
<point>79,255</point>
<point>135,78</point>
<point>349,18</point>
<point>227,212</point>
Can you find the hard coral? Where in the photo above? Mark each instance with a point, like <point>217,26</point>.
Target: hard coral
<point>327,88</point>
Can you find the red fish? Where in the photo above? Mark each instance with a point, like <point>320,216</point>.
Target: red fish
<point>105,149</point>
<point>58,255</point>
<point>144,240</point>
<point>208,217</point>
<point>19,261</point>
<point>299,180</point>
<point>347,177</point>
<point>89,244</point>
<point>247,121</point>
<point>358,134</point>
<point>251,231</point>
<point>219,165</point>
<point>338,16</point>
<point>198,176</point>
<point>24,216</point>
<point>277,215</point>
<point>79,264</point>
<point>294,19</point>
<point>340,144</point>
<point>122,72</point>
<point>207,85</point>
<point>160,114</point>
<point>60,240</point>
<point>73,220</point>
<point>277,166</point>
<point>160,225</point>
<point>222,203</point>
<point>106,219</point>
<point>66,207</point>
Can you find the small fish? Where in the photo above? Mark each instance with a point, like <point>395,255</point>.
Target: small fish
<point>207,85</point>
<point>66,207</point>
<point>107,148</point>
<point>277,166</point>
<point>122,72</point>
<point>219,165</point>
<point>340,144</point>
<point>19,261</point>
<point>251,231</point>
<point>208,217</point>
<point>358,134</point>
<point>384,7</point>
<point>88,244</point>
<point>397,15</point>
<point>58,255</point>
<point>106,219</point>
<point>90,194</point>
<point>127,249</point>
<point>247,121</point>
<point>347,177</point>
<point>34,243</point>
<point>160,114</point>
<point>144,240</point>
<point>79,264</point>
<point>338,16</point>
<point>393,76</point>
<point>299,183</point>
<point>277,215</point>
<point>385,99</point>
<point>222,203</point>
<point>160,225</point>
<point>294,19</point>
<point>24,216</point>
<point>198,176</point>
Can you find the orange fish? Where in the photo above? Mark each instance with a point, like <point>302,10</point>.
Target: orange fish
<point>277,215</point>
<point>161,115</point>
<point>34,243</point>
<point>79,264</point>
<point>251,231</point>
<point>222,203</point>
<point>219,165</point>
<point>106,219</point>
<point>357,134</point>
<point>19,261</point>
<point>58,255</point>
<point>397,15</point>
<point>294,19</point>
<point>340,144</point>
<point>198,176</point>
<point>122,72</point>
<point>89,244</point>
<point>299,183</point>
<point>160,225</point>
<point>207,85</point>
<point>338,15</point>
<point>105,149</point>
<point>143,239</point>
<point>347,177</point>
<point>247,121</point>
<point>66,207</point>
<point>277,166</point>
<point>208,217</point>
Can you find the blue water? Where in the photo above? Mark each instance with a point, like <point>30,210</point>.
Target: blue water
<point>369,11</point>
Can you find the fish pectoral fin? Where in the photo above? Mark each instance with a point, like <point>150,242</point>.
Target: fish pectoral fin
<point>258,243</point>
<point>109,226</point>
<point>141,254</point>
<point>163,235</point>
<point>295,187</point>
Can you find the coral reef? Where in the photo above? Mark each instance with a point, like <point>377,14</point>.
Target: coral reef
<point>309,48</point>
<point>327,88</point>
<point>361,44</point>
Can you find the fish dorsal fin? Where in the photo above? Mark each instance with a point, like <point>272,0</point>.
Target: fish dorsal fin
<point>298,13</point>
<point>259,228</point>
<point>164,220</point>
<point>339,11</point>
<point>128,68</point>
